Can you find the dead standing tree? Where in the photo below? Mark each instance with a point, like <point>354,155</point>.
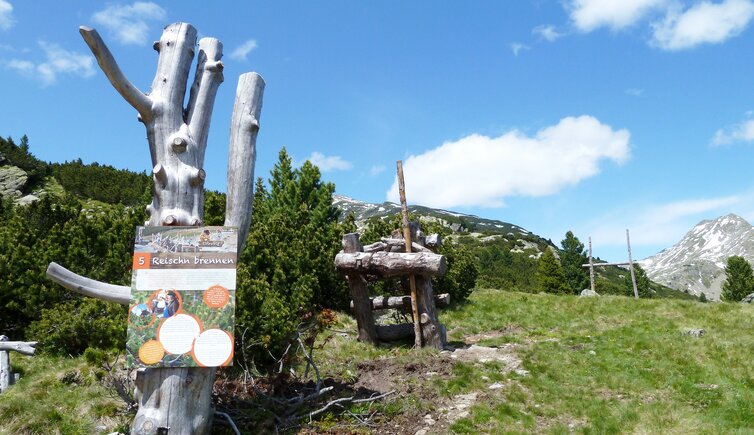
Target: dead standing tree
<point>179,399</point>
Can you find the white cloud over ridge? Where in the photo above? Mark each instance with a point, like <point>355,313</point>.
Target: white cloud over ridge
<point>741,132</point>
<point>57,61</point>
<point>242,51</point>
<point>479,170</point>
<point>703,23</point>
<point>6,15</point>
<point>129,22</point>
<point>329,163</point>
<point>589,15</point>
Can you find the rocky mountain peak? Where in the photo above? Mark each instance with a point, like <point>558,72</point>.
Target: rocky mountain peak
<point>696,263</point>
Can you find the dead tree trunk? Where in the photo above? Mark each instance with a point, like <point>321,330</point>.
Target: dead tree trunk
<point>7,378</point>
<point>179,399</point>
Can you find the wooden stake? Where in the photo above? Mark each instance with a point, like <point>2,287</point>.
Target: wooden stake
<point>631,266</point>
<point>407,238</point>
<point>591,265</point>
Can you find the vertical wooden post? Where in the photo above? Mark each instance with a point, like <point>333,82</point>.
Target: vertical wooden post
<point>362,305</point>
<point>591,266</point>
<point>631,266</point>
<point>407,239</point>
<point>6,378</point>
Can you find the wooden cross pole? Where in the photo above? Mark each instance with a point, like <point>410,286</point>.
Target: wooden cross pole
<point>407,239</point>
<point>631,266</point>
<point>591,265</point>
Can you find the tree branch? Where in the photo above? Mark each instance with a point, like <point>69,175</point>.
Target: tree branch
<point>242,154</point>
<point>209,75</point>
<point>22,347</point>
<point>107,292</point>
<point>140,101</point>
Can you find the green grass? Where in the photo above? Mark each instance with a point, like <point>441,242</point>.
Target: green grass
<point>595,365</point>
<point>57,395</point>
<point>615,364</point>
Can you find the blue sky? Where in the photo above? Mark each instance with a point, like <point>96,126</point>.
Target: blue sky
<point>585,115</point>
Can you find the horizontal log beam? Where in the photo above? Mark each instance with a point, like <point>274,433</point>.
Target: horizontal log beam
<point>391,264</point>
<point>605,264</point>
<point>22,347</point>
<point>395,332</point>
<point>101,290</point>
<point>387,302</point>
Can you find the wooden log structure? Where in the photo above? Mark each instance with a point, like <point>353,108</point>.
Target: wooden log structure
<point>403,302</point>
<point>178,400</point>
<point>7,377</point>
<point>391,264</point>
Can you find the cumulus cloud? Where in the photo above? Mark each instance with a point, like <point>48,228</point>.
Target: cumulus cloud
<point>741,132</point>
<point>635,92</point>
<point>129,22</point>
<point>6,15</point>
<point>588,15</point>
<point>329,163</point>
<point>703,23</point>
<point>479,170</point>
<point>242,51</point>
<point>547,32</point>
<point>57,61</point>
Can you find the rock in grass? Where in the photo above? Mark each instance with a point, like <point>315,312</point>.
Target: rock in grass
<point>587,293</point>
<point>696,332</point>
<point>748,299</point>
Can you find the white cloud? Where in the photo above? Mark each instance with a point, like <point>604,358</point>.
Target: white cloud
<point>6,15</point>
<point>242,51</point>
<point>57,61</point>
<point>329,163</point>
<point>703,23</point>
<point>662,225</point>
<point>377,170</point>
<point>741,132</point>
<point>635,92</point>
<point>481,171</point>
<point>129,22</point>
<point>547,32</point>
<point>588,15</point>
<point>517,48</point>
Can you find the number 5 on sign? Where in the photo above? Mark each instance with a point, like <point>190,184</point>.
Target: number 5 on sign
<point>141,260</point>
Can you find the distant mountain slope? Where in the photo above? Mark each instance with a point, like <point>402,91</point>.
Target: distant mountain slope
<point>458,222</point>
<point>696,263</point>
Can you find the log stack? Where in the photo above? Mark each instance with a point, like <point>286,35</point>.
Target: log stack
<point>388,259</point>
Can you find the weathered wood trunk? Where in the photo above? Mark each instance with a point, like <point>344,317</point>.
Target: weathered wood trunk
<point>360,294</point>
<point>403,302</point>
<point>433,334</point>
<point>391,264</point>
<point>178,400</point>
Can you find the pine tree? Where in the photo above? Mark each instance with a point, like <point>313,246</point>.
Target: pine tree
<point>739,281</point>
<point>643,283</point>
<point>572,259</point>
<point>286,269</point>
<point>550,277</point>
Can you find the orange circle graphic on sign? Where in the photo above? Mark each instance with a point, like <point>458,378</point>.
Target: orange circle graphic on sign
<point>151,352</point>
<point>216,296</point>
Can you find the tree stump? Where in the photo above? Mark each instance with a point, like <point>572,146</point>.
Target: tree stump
<point>179,399</point>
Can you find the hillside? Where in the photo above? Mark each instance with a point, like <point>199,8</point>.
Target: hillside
<point>522,363</point>
<point>696,264</point>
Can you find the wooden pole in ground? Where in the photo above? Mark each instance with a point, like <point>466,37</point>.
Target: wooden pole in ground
<point>407,238</point>
<point>591,266</point>
<point>631,266</point>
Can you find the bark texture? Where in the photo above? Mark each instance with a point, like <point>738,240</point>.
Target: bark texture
<point>390,264</point>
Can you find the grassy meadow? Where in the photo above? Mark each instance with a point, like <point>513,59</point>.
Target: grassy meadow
<point>575,365</point>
